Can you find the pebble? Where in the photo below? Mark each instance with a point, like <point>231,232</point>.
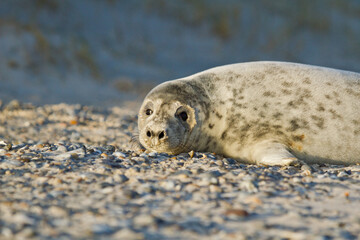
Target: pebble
<point>182,173</point>
<point>131,194</point>
<point>57,212</point>
<point>121,178</point>
<point>77,153</point>
<point>191,188</point>
<point>10,164</point>
<point>249,186</point>
<point>110,148</point>
<point>212,174</point>
<point>143,220</point>
<point>26,233</point>
<point>236,213</point>
<point>8,147</point>
<point>229,161</point>
<point>215,189</point>
<point>102,229</point>
<point>168,185</point>
<point>22,219</point>
<point>127,233</point>
<point>61,148</point>
<point>342,174</point>
<point>153,154</point>
<point>119,154</point>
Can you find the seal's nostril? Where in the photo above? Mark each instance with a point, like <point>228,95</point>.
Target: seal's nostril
<point>148,133</point>
<point>161,135</point>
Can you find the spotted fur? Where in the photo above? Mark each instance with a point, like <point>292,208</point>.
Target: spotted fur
<point>260,112</point>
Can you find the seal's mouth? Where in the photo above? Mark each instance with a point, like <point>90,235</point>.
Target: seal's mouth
<point>166,144</point>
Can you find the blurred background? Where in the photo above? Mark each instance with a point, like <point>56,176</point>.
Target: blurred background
<point>110,53</point>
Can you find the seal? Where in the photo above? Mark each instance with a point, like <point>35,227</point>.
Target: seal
<point>268,113</point>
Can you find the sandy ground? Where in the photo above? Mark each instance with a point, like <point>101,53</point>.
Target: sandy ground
<point>66,172</point>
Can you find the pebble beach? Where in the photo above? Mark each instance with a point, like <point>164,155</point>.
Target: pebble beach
<point>71,172</point>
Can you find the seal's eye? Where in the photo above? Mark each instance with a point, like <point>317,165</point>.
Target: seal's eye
<point>148,112</point>
<point>183,116</point>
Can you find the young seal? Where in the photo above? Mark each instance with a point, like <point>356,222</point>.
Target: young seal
<point>270,113</point>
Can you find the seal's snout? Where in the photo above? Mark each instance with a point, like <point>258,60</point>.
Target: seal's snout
<point>160,135</point>
<point>156,136</point>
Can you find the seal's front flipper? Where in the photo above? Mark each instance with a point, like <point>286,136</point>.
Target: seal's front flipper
<point>272,153</point>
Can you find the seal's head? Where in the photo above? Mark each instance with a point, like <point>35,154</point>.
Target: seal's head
<point>168,118</point>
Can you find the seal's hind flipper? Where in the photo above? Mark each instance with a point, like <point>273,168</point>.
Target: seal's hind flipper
<point>272,153</point>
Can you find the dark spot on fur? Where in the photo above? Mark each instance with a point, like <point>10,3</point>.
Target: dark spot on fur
<point>296,123</point>
<point>278,132</point>
<point>303,94</point>
<point>223,135</point>
<point>352,92</point>
<point>307,80</point>
<point>356,125</point>
<point>221,102</point>
<point>327,96</point>
<point>320,107</point>
<point>269,94</point>
<point>287,84</point>
<point>245,128</point>
<point>206,80</point>
<point>298,138</point>
<point>306,93</point>
<point>218,115</point>
<point>237,92</point>
<point>319,121</point>
<point>259,76</point>
<point>291,104</point>
<point>286,91</point>
<point>260,134</point>
<point>335,114</point>
<point>231,78</point>
<point>277,115</point>
<point>211,125</point>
